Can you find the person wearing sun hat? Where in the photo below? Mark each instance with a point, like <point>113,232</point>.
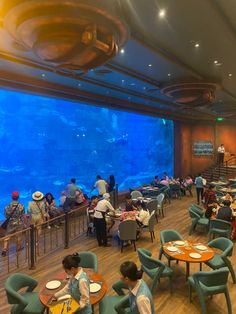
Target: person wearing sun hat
<point>37,210</point>
<point>15,213</point>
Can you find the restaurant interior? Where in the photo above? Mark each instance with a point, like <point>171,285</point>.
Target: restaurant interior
<point>117,109</point>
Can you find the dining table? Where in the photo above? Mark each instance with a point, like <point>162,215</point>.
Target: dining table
<point>188,252</point>
<point>228,190</point>
<point>69,305</point>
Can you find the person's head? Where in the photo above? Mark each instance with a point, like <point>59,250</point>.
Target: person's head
<point>226,202</point>
<point>227,196</point>
<point>222,145</point>
<point>128,199</point>
<point>106,196</point>
<point>73,180</point>
<point>211,186</point>
<point>94,200</point>
<point>37,196</point>
<point>71,263</point>
<point>199,175</point>
<point>130,273</point>
<point>99,177</point>
<point>15,195</point>
<point>49,196</point>
<point>63,193</point>
<point>141,205</point>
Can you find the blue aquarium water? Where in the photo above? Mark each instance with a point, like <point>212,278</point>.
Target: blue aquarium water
<point>46,141</point>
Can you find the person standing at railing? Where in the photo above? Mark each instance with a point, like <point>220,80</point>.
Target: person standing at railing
<point>221,154</point>
<point>71,190</point>
<point>37,211</point>
<point>101,186</point>
<point>14,213</point>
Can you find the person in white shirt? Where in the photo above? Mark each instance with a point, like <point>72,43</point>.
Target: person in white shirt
<point>143,215</point>
<point>140,297</point>
<point>221,154</point>
<point>101,186</point>
<point>100,220</point>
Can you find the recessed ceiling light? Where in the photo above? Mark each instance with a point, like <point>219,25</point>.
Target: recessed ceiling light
<point>150,65</point>
<point>197,45</point>
<point>230,74</point>
<point>79,85</point>
<point>169,74</point>
<point>144,87</point>
<point>122,81</point>
<point>215,61</point>
<point>122,50</point>
<point>162,13</point>
<point>43,75</point>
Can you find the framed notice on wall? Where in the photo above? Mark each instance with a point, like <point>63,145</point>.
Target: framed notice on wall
<point>203,148</point>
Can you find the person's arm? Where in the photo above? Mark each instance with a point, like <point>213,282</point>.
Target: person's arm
<point>110,207</point>
<point>84,292</point>
<point>64,291</point>
<point>144,305</point>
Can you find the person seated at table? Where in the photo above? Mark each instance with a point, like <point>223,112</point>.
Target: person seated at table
<point>209,200</point>
<point>79,198</point>
<point>78,285</point>
<point>164,181</point>
<point>143,216</point>
<point>227,197</point>
<point>225,212</point>
<point>165,176</point>
<point>129,204</point>
<point>140,297</point>
<point>156,181</point>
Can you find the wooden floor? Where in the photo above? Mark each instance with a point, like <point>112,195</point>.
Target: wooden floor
<point>110,259</point>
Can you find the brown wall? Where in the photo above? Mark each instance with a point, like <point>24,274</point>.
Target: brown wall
<point>186,134</point>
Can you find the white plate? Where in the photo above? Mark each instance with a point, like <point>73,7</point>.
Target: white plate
<point>64,297</point>
<point>201,247</point>
<point>148,198</point>
<point>94,287</point>
<point>180,242</point>
<point>134,199</point>
<point>195,255</point>
<point>172,248</point>
<point>54,284</point>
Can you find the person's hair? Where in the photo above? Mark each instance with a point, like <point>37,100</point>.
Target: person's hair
<point>199,174</point>
<point>211,186</point>
<point>71,261</point>
<point>94,197</point>
<point>221,144</point>
<point>99,177</point>
<point>130,270</point>
<point>49,194</point>
<point>128,197</point>
<point>156,177</point>
<point>226,202</point>
<point>142,204</point>
<point>73,180</point>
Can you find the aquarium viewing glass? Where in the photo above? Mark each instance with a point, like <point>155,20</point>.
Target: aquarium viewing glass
<point>47,141</point>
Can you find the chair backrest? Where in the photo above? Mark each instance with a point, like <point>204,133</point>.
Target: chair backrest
<point>197,209</point>
<point>211,279</point>
<point>88,216</point>
<point>152,205</point>
<point>128,230</point>
<point>160,199</point>
<point>88,260</point>
<point>169,235</point>
<point>152,221</point>
<point>147,262</point>
<point>220,224</point>
<point>136,194</point>
<point>13,284</point>
<point>193,214</point>
<point>223,244</point>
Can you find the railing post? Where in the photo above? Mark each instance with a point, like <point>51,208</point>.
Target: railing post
<point>32,247</point>
<point>66,230</point>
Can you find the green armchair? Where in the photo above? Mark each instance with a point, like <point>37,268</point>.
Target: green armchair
<point>24,302</point>
<point>89,260</point>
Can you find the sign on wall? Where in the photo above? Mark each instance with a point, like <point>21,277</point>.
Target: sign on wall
<point>203,148</point>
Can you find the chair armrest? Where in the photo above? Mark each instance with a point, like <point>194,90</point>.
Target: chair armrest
<point>122,305</point>
<point>119,287</point>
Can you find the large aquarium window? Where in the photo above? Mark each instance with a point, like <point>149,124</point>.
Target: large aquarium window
<point>46,141</point>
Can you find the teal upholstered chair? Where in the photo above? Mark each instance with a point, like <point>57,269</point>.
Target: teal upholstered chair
<point>24,302</point>
<point>167,236</point>
<point>221,259</point>
<point>118,303</point>
<point>197,220</point>
<point>151,225</point>
<point>208,284</point>
<point>219,227</point>
<point>198,209</point>
<point>88,260</point>
<point>154,268</point>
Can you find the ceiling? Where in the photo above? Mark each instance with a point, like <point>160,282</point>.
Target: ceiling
<point>182,46</point>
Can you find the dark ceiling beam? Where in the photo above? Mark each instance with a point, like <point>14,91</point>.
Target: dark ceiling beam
<point>42,88</point>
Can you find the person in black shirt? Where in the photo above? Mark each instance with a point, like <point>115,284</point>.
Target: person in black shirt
<point>225,212</point>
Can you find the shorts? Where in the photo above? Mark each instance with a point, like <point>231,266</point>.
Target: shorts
<point>37,220</point>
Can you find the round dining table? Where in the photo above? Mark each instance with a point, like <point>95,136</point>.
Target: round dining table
<point>70,306</point>
<point>183,251</point>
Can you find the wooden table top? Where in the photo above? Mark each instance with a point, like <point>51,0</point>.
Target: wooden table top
<point>184,250</point>
<point>45,294</point>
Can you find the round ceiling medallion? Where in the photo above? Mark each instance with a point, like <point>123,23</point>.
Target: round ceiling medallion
<point>191,93</point>
<point>79,34</point>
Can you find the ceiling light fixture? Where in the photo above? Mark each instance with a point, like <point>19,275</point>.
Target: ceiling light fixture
<point>162,13</point>
<point>169,74</point>
<point>122,50</point>
<point>79,85</point>
<point>197,45</point>
<point>150,65</point>
<point>215,61</point>
<point>43,75</point>
<point>230,74</point>
<point>122,81</point>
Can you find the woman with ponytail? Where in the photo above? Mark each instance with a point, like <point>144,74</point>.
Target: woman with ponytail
<point>78,285</point>
<point>140,297</point>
